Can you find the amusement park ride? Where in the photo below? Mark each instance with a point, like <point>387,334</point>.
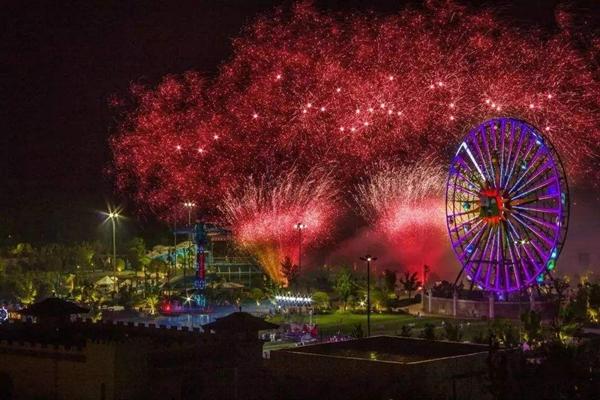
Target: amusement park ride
<point>507,206</point>
<point>196,302</point>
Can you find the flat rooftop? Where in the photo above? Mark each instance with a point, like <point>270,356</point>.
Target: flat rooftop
<point>391,349</point>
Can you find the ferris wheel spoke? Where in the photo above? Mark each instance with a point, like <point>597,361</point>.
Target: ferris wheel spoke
<point>466,262</point>
<point>539,209</point>
<point>494,258</point>
<point>533,230</point>
<point>503,257</point>
<point>466,179</point>
<point>465,190</point>
<point>524,167</point>
<point>502,140</point>
<point>476,238</point>
<point>516,156</point>
<point>466,148</point>
<point>467,234</point>
<point>524,248</point>
<point>484,259</point>
<point>539,186</point>
<point>489,157</point>
<point>517,265</point>
<point>532,167</point>
<point>476,268</point>
<point>469,221</point>
<point>486,173</point>
<point>506,161</point>
<point>460,214</point>
<point>538,221</point>
<point>538,171</point>
<point>541,254</point>
<point>469,169</point>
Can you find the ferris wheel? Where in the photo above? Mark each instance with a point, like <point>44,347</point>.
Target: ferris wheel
<point>507,206</point>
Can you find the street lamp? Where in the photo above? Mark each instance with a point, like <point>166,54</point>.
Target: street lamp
<point>368,258</point>
<point>300,226</point>
<point>189,205</point>
<point>113,216</point>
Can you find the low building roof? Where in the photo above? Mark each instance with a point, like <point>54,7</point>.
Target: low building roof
<point>53,307</point>
<point>239,322</point>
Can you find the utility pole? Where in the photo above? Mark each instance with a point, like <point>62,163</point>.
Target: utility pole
<point>189,205</point>
<point>300,227</point>
<point>368,258</point>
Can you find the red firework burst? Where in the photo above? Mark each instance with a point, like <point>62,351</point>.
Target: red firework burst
<point>265,213</point>
<point>308,89</point>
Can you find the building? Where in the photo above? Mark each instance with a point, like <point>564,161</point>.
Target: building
<point>381,367</point>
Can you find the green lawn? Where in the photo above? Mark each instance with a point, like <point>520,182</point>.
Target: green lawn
<point>345,322</point>
<point>381,324</point>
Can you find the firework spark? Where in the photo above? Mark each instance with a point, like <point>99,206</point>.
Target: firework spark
<point>266,211</point>
<point>404,199</point>
<point>406,205</point>
<point>307,88</point>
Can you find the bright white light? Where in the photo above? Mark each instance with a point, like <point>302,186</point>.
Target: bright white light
<point>464,146</point>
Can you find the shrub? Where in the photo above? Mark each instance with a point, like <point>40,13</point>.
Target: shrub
<point>453,332</point>
<point>428,332</point>
<point>406,331</point>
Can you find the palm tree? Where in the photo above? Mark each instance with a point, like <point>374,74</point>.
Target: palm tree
<point>151,302</point>
<point>26,291</point>
<point>410,282</point>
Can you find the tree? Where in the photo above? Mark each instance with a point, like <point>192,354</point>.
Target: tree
<point>157,266</point>
<point>410,282</point>
<point>344,285</point>
<point>379,299</point>
<point>135,251</point>
<point>120,265</point>
<point>320,301</point>
<point>532,325</point>
<point>289,271</point>
<point>257,295</point>
<point>389,281</point>
<point>26,291</point>
<point>83,255</point>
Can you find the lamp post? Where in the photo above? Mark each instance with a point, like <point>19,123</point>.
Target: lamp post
<point>113,215</point>
<point>368,258</point>
<point>189,205</point>
<point>300,226</point>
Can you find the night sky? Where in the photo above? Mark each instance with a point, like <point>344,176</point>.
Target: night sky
<point>61,63</point>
